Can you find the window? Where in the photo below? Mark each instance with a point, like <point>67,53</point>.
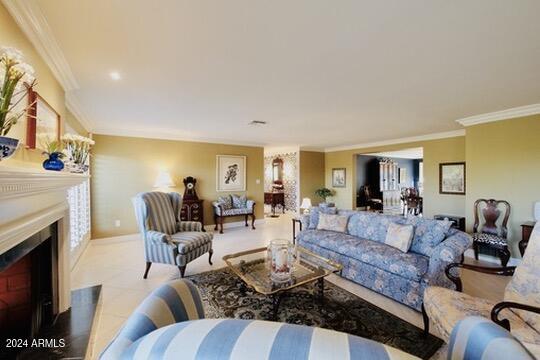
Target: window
<point>421,178</point>
<point>79,214</point>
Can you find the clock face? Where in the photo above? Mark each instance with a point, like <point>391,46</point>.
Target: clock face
<point>190,185</point>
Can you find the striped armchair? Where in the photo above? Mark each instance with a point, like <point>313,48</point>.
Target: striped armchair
<point>168,240</point>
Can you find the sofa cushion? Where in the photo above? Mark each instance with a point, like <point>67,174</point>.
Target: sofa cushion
<point>399,236</point>
<point>232,212</point>
<point>188,241</point>
<point>239,202</point>
<point>428,233</point>
<point>314,215</point>
<point>225,202</point>
<point>372,226</point>
<point>332,222</point>
<point>408,265</point>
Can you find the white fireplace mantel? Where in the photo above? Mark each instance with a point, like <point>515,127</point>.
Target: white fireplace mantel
<point>31,199</point>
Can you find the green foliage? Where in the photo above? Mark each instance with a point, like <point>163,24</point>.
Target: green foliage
<point>324,193</point>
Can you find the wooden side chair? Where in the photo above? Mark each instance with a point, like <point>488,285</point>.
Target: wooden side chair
<point>490,234</point>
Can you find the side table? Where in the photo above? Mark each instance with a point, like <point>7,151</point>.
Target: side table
<point>526,230</point>
<point>294,221</point>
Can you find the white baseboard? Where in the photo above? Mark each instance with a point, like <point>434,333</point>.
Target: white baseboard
<point>491,259</point>
<point>229,225</point>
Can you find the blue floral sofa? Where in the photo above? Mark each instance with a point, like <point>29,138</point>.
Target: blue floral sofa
<point>368,261</point>
<point>170,324</point>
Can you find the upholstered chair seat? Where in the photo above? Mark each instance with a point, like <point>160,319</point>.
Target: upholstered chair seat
<point>489,239</point>
<point>167,239</point>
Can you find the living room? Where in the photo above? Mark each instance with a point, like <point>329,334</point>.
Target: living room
<point>269,180</point>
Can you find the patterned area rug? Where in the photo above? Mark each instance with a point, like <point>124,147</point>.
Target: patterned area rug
<point>341,311</point>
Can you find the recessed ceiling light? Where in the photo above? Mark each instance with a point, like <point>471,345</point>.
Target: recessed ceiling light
<point>115,75</point>
<point>257,122</point>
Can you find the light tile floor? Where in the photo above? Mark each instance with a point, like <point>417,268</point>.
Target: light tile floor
<point>119,266</point>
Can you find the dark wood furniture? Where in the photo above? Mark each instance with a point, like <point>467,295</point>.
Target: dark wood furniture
<point>526,230</point>
<point>412,201</point>
<point>192,210</point>
<point>365,199</point>
<point>458,222</point>
<point>274,199</point>
<point>294,222</point>
<point>220,214</point>
<point>491,235</point>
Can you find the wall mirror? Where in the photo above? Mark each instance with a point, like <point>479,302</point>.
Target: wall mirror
<point>277,170</point>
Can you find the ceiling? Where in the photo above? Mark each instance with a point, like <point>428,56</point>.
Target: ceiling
<point>320,73</point>
<point>412,153</point>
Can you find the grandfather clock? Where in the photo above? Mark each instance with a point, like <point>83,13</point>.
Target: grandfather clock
<point>192,206</point>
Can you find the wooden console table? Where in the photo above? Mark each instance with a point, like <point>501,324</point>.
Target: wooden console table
<point>273,199</point>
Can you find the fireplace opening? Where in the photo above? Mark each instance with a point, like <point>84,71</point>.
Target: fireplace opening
<point>29,285</point>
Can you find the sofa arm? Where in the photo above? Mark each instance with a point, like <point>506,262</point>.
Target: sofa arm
<point>218,208</point>
<point>176,301</point>
<point>189,226</point>
<point>250,204</point>
<point>447,252</point>
<point>476,337</point>
<point>158,237</point>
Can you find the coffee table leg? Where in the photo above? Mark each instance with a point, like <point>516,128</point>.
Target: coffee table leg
<point>276,299</point>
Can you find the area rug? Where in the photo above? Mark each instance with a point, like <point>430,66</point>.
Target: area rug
<point>340,311</point>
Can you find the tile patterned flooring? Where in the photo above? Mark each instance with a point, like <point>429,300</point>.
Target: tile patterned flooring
<point>119,267</point>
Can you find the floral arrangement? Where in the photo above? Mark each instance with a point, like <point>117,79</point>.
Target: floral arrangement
<point>77,149</point>
<point>16,77</point>
<point>52,146</point>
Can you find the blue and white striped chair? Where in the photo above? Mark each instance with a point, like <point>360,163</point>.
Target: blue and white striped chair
<point>168,240</point>
<point>476,337</point>
<point>170,324</point>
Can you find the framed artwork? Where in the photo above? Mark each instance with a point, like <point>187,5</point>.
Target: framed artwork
<point>42,121</point>
<point>452,178</point>
<point>339,177</point>
<point>231,173</point>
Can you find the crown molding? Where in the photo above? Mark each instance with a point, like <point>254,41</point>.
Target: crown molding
<point>434,136</point>
<point>30,18</point>
<point>501,115</point>
<point>168,134</point>
<point>73,105</point>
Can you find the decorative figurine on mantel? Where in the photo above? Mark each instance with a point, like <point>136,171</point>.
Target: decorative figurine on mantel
<point>189,192</point>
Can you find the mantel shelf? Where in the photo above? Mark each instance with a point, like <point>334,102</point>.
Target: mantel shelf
<point>23,181</point>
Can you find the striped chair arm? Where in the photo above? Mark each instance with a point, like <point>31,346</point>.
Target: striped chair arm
<point>254,339</point>
<point>189,226</point>
<point>476,337</point>
<point>158,237</point>
<point>174,302</point>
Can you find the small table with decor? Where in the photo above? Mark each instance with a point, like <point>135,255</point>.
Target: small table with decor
<point>253,268</point>
<point>526,230</point>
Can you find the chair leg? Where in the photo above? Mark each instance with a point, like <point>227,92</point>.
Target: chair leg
<point>476,249</point>
<point>504,254</point>
<point>182,270</point>
<point>216,222</point>
<point>253,221</point>
<point>210,253</point>
<point>221,224</point>
<point>246,219</point>
<point>426,320</point>
<point>148,264</point>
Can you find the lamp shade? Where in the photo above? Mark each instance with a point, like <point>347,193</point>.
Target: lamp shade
<point>164,180</point>
<point>306,203</point>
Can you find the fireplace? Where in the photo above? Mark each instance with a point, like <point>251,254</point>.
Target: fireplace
<point>29,285</point>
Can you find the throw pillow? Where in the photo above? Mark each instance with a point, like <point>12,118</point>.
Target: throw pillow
<point>332,222</point>
<point>399,236</point>
<point>225,201</point>
<point>428,233</point>
<point>239,202</point>
<point>314,215</point>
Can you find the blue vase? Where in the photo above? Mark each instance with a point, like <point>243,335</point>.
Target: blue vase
<point>53,162</point>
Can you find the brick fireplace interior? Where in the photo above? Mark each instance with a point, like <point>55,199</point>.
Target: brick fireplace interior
<point>29,285</point>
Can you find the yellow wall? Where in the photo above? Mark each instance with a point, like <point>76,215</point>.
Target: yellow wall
<point>47,85</point>
<point>503,162</point>
<point>72,121</point>
<point>435,152</point>
<point>125,166</point>
<point>311,175</point>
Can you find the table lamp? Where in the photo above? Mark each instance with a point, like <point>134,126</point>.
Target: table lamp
<point>306,205</point>
<point>164,180</point>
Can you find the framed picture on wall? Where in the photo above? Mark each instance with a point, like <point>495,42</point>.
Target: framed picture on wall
<point>43,122</point>
<point>231,173</point>
<point>339,177</point>
<point>452,178</point>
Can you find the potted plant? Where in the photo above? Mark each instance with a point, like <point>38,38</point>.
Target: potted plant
<point>324,193</point>
<point>77,151</point>
<point>53,152</point>
<point>16,78</point>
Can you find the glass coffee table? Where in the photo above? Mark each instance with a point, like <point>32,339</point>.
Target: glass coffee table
<point>253,268</point>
